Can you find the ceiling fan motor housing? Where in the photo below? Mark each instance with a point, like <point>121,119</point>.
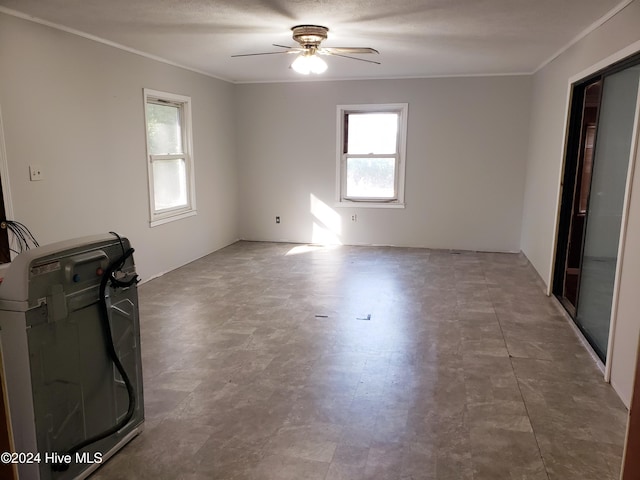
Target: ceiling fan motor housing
<point>309,35</point>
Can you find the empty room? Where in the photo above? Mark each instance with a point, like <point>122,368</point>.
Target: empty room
<point>319,239</point>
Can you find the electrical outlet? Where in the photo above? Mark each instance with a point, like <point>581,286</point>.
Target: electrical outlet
<point>35,173</point>
<point>277,219</point>
<point>354,218</point>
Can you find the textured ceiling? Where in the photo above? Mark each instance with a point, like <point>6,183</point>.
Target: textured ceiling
<point>415,38</point>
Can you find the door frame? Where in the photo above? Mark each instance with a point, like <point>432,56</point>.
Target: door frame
<point>628,51</point>
<point>621,57</point>
<point>4,173</point>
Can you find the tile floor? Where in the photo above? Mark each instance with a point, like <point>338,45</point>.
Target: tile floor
<point>260,363</point>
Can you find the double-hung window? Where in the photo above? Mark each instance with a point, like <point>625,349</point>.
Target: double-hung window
<point>371,154</point>
<point>169,156</point>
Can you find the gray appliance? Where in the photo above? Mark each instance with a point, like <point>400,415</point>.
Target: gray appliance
<point>62,385</point>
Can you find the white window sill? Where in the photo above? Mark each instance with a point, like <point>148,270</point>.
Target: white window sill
<point>178,216</point>
<point>368,205</point>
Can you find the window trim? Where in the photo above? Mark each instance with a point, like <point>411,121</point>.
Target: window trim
<point>165,215</point>
<point>342,200</point>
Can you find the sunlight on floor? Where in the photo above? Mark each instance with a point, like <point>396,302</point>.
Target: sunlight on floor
<point>306,249</point>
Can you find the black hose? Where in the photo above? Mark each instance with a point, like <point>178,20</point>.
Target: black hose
<point>107,277</point>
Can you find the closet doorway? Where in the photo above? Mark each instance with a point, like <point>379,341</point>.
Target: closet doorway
<point>597,156</point>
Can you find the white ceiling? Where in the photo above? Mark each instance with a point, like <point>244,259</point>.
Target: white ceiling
<point>415,38</point>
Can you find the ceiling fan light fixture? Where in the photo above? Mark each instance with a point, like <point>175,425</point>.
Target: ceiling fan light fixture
<point>318,65</point>
<point>301,65</point>
<point>306,64</point>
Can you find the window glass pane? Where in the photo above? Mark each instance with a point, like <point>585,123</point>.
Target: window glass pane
<point>163,129</point>
<point>372,133</point>
<point>170,183</point>
<point>371,177</point>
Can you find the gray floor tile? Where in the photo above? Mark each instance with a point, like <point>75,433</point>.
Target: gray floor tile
<point>258,364</point>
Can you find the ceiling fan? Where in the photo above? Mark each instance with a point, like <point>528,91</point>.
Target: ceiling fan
<point>308,61</point>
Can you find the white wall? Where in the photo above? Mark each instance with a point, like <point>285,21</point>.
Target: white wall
<point>75,108</point>
<point>466,149</point>
<point>544,170</point>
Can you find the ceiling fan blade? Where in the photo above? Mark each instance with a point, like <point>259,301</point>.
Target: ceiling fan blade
<point>285,46</point>
<point>350,50</point>
<point>254,54</point>
<point>352,58</point>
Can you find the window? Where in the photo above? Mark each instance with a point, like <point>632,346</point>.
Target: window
<point>169,156</point>
<point>371,154</point>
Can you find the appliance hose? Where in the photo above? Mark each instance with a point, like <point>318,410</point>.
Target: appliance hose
<point>108,278</point>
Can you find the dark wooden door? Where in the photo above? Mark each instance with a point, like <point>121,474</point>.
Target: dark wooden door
<point>578,186</point>
<point>631,462</point>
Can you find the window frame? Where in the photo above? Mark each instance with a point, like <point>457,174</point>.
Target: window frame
<point>342,200</point>
<point>165,215</point>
